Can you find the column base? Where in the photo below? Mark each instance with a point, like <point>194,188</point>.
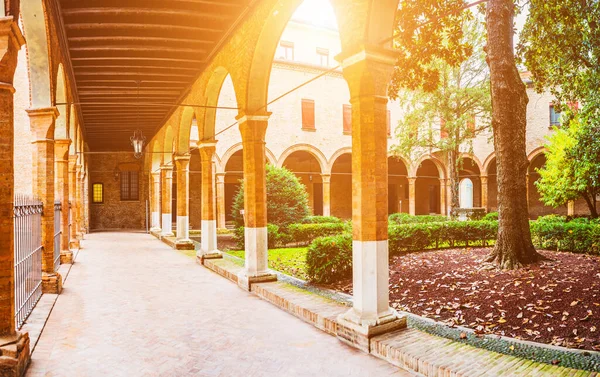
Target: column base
<point>51,283</point>
<point>245,282</point>
<point>167,234</point>
<point>184,245</point>
<point>74,244</point>
<point>354,331</point>
<point>79,235</point>
<point>66,257</point>
<point>15,355</point>
<point>201,257</point>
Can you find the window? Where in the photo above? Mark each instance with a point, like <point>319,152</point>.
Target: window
<point>465,190</point>
<point>97,193</point>
<point>129,185</point>
<point>286,50</point>
<point>308,114</point>
<point>554,116</point>
<point>323,57</point>
<point>347,119</point>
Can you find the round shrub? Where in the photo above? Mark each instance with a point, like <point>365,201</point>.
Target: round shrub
<point>329,259</point>
<point>287,199</point>
<point>274,238</point>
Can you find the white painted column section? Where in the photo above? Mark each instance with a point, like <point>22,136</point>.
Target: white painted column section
<point>256,252</point>
<point>208,244</point>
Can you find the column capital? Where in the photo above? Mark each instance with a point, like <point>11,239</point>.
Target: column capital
<point>326,178</point>
<point>166,167</point>
<point>42,123</point>
<point>261,116</point>
<point>61,150</point>
<point>10,35</point>
<point>206,144</point>
<point>220,177</point>
<point>412,179</point>
<point>182,157</point>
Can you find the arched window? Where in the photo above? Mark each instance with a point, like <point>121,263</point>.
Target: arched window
<point>466,193</point>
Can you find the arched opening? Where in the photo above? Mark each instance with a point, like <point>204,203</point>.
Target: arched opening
<point>341,187</point>
<point>234,173</point>
<point>307,168</point>
<point>536,206</point>
<point>492,174</point>
<point>427,189</point>
<point>465,193</point>
<point>398,190</point>
<point>195,176</point>
<point>470,170</point>
<point>60,126</point>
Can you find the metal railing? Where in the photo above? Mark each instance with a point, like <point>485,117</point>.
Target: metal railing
<point>57,234</point>
<point>28,256</point>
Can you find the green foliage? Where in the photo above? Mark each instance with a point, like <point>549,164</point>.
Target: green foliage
<point>329,259</point>
<point>572,169</point>
<point>405,218</point>
<point>575,236</point>
<point>320,220</point>
<point>492,216</point>
<point>290,261</point>
<point>287,200</point>
<point>306,233</point>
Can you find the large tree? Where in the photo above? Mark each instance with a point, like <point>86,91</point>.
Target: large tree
<point>449,117</point>
<point>513,246</point>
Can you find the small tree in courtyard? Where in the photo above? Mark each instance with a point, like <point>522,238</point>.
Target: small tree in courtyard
<point>287,199</point>
<point>572,169</point>
<point>444,119</point>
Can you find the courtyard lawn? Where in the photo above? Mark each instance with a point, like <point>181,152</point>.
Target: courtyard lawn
<point>290,261</point>
<point>556,301</point>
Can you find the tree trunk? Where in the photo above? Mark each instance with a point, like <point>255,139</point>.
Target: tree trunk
<point>591,203</point>
<point>509,108</point>
<point>453,175</point>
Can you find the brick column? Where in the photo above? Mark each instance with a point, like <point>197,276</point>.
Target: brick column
<point>14,346</point>
<point>166,190</point>
<point>155,201</point>
<point>443,209</point>
<point>527,186</point>
<point>220,183</point>
<point>73,241</point>
<point>368,73</point>
<point>182,164</point>
<point>484,192</point>
<point>326,179</point>
<point>253,128</point>
<point>42,128</point>
<point>61,153</point>
<point>571,208</point>
<point>86,200</point>
<point>208,246</point>
<point>412,195</point>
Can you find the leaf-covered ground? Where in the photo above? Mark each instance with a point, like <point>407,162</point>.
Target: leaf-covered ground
<point>290,261</point>
<point>555,301</point>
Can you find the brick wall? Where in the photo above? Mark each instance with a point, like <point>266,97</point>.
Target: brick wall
<point>115,213</point>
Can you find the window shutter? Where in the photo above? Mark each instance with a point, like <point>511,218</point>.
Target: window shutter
<point>347,119</point>
<point>308,114</point>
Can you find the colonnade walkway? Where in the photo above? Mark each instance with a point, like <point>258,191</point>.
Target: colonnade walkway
<point>131,306</point>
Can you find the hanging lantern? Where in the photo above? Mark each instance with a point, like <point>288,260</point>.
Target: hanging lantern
<point>137,140</point>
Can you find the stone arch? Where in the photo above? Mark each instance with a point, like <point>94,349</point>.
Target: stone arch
<point>212,96</point>
<point>428,196</point>
<point>72,128</point>
<point>168,145</point>
<point>315,152</point>
<point>335,156</point>
<point>238,147</point>
<point>341,184</point>
<point>360,23</point>
<point>61,130</point>
<point>438,164</point>
<point>535,153</point>
<point>398,186</point>
<point>182,143</point>
<point>488,162</point>
<point>35,30</point>
<point>156,149</point>
<point>471,169</point>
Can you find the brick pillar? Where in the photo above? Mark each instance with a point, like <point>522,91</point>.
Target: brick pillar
<point>208,246</point>
<point>86,200</point>
<point>443,209</point>
<point>220,183</point>
<point>155,200</point>
<point>79,203</point>
<point>326,179</point>
<point>166,190</point>
<point>61,153</point>
<point>253,128</point>
<point>182,164</point>
<point>412,195</point>
<point>73,241</point>
<point>484,192</point>
<point>42,128</point>
<point>571,208</point>
<point>527,186</point>
<point>14,346</point>
<point>368,73</point>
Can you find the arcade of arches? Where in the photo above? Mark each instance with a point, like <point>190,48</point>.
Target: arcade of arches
<point>75,86</point>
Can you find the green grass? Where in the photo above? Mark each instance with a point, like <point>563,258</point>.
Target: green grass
<point>290,261</point>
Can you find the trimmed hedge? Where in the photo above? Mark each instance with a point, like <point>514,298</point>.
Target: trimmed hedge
<point>306,233</point>
<point>320,220</point>
<point>579,236</point>
<point>405,218</point>
<point>329,259</point>
<point>492,216</point>
<point>274,238</point>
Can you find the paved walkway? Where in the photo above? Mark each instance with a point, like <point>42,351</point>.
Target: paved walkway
<point>133,307</point>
